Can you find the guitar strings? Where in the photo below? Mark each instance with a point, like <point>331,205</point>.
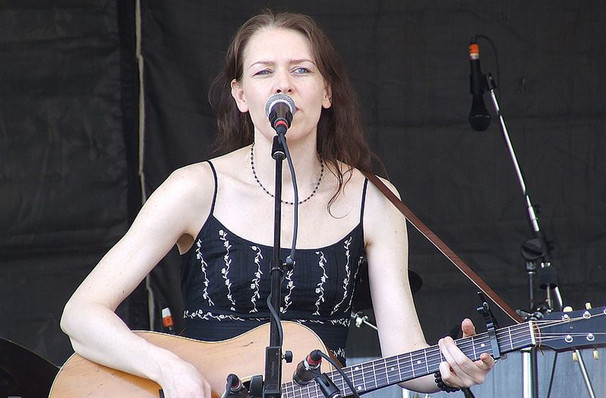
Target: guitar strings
<point>515,332</point>
<point>380,370</point>
<point>383,378</point>
<point>517,337</point>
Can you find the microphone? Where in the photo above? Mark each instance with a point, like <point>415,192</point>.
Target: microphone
<point>280,109</point>
<point>234,387</point>
<point>479,118</point>
<point>308,369</point>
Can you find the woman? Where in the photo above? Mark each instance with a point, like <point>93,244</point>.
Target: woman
<point>220,215</point>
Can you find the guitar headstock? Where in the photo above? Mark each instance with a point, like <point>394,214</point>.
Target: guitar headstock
<point>569,330</point>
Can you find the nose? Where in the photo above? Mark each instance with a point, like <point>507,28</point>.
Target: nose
<point>283,83</point>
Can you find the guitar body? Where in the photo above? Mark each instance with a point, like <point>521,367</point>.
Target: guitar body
<point>243,355</point>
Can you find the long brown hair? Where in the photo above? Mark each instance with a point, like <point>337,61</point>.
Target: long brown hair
<point>340,136</point>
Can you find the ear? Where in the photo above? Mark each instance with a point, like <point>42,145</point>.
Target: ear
<point>238,94</point>
<point>327,101</point>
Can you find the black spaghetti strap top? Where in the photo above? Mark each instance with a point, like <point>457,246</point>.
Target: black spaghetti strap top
<point>226,281</point>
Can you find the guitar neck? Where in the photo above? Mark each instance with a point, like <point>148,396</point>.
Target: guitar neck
<point>379,373</point>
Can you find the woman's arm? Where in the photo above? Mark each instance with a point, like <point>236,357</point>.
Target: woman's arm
<point>399,328</point>
<point>94,329</point>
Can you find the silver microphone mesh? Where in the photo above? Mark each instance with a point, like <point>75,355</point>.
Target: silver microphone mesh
<point>277,98</point>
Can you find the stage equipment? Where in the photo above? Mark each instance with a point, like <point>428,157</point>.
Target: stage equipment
<point>280,109</point>
<point>308,369</point>
<point>479,118</point>
<point>537,254</point>
<point>273,354</point>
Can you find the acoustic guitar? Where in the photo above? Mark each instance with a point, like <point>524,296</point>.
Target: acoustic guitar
<point>244,356</point>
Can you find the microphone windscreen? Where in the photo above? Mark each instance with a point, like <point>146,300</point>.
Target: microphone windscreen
<point>277,99</point>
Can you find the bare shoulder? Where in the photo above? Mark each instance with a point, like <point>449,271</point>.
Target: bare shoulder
<point>197,171</point>
<point>186,194</point>
<point>377,200</point>
<point>194,185</point>
<point>380,215</point>
<point>195,180</point>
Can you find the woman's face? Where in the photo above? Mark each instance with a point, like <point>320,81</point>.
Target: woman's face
<point>281,61</point>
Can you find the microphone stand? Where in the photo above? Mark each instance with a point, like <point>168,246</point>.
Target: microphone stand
<point>273,353</point>
<point>536,250</point>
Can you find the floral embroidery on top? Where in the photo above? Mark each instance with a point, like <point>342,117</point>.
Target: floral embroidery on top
<point>207,316</point>
<point>225,283</point>
<point>255,284</point>
<point>347,276</point>
<point>203,267</point>
<point>355,277</point>
<point>340,352</point>
<point>200,314</point>
<point>290,285</point>
<point>341,321</point>
<point>320,285</point>
<point>225,269</point>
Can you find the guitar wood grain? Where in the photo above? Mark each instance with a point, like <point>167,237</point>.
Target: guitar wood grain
<point>243,355</point>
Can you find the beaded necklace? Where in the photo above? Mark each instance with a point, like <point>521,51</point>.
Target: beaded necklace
<point>252,166</point>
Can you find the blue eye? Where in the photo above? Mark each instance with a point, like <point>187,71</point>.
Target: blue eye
<point>262,72</point>
<point>301,70</point>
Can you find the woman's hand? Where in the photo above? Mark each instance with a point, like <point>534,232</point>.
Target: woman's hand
<point>180,379</point>
<point>458,370</point>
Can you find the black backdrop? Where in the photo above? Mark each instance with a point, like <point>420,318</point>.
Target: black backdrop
<point>68,140</point>
<point>69,135</point>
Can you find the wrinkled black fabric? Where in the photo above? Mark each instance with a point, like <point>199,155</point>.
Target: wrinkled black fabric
<point>409,64</point>
<point>66,185</point>
<point>68,140</point>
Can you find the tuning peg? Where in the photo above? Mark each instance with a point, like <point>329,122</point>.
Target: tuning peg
<point>575,356</point>
<point>596,354</point>
<point>587,306</point>
<point>567,309</point>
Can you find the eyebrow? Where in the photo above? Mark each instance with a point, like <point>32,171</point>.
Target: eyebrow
<point>292,61</point>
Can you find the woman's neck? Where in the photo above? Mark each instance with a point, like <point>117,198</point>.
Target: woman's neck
<point>309,168</point>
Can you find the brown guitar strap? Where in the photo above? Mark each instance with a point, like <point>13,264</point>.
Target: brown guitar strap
<point>442,247</point>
